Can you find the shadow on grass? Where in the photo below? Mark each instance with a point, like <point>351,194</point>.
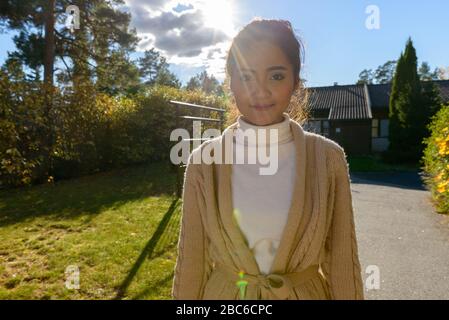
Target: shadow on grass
<point>86,195</point>
<point>154,286</point>
<point>162,237</point>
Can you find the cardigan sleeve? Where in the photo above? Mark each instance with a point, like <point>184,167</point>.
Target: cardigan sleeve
<point>341,264</point>
<point>192,263</point>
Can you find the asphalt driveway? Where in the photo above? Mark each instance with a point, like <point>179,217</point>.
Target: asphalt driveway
<point>399,232</point>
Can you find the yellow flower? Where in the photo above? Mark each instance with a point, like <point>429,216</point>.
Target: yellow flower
<point>441,187</point>
<point>439,176</point>
<point>444,183</point>
<point>445,129</point>
<point>443,148</point>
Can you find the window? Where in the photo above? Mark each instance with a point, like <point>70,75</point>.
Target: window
<point>384,128</point>
<point>375,128</point>
<point>313,126</point>
<point>325,126</point>
<point>318,126</point>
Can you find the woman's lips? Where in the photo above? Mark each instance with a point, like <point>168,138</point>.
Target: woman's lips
<point>263,106</point>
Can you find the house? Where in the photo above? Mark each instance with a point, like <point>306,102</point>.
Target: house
<point>355,116</point>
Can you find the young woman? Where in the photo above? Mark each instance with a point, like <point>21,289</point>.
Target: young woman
<point>285,235</point>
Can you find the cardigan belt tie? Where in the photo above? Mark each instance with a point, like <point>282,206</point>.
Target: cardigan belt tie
<point>279,284</point>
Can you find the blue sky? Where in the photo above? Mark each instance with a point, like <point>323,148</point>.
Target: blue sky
<point>337,43</point>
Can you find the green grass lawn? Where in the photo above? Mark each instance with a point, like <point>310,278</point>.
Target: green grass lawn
<point>373,163</point>
<point>119,228</point>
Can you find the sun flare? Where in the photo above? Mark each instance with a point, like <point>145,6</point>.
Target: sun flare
<point>218,14</point>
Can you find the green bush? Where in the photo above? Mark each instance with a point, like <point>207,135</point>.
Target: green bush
<point>23,128</point>
<point>91,131</point>
<point>77,122</point>
<point>436,160</point>
<point>160,117</point>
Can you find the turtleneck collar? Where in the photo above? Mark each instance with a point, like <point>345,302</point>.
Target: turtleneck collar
<point>283,130</point>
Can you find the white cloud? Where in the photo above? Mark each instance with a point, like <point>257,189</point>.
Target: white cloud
<point>183,32</point>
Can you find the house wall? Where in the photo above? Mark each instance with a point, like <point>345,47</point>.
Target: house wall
<point>381,113</point>
<point>380,144</point>
<point>354,135</point>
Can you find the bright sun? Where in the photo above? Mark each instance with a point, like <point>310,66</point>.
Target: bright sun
<point>218,14</point>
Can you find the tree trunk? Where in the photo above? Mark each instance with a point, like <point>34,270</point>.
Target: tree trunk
<point>49,43</point>
<point>48,84</point>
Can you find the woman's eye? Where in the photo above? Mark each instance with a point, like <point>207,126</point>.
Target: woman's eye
<point>248,77</point>
<point>278,76</point>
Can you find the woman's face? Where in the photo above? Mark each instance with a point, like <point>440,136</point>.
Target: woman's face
<point>262,83</point>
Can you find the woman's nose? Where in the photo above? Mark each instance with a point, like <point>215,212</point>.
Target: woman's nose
<point>261,90</point>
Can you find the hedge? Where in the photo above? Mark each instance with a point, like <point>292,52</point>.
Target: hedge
<point>436,160</point>
<point>92,131</point>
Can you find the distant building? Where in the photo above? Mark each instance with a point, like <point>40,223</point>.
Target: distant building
<point>355,116</point>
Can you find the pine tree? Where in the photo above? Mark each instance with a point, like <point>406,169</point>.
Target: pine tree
<point>153,68</point>
<point>96,52</point>
<point>410,109</point>
<point>205,82</point>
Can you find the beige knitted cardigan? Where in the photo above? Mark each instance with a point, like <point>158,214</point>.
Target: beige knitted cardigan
<point>319,231</point>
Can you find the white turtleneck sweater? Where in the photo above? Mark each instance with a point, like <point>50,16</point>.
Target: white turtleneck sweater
<point>262,202</point>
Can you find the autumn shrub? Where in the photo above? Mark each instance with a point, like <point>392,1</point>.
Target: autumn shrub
<point>156,118</point>
<point>23,128</point>
<point>436,160</point>
<point>91,131</point>
<point>77,122</point>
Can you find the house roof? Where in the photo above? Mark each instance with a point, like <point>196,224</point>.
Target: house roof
<point>351,102</point>
<point>343,102</point>
<point>379,95</point>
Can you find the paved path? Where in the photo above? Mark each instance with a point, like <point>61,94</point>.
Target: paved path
<point>398,231</point>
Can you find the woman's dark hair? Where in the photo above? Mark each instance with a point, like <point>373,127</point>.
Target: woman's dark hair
<point>276,32</point>
<point>281,34</point>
